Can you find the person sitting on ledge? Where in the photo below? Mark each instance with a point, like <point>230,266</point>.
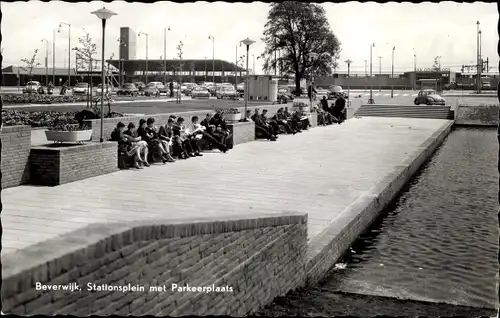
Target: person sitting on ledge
<point>221,131</point>
<point>167,133</point>
<point>135,140</point>
<point>163,144</point>
<point>274,127</point>
<point>198,131</point>
<point>261,129</point>
<point>209,129</point>
<point>152,140</point>
<point>292,120</point>
<point>190,144</point>
<point>125,146</point>
<point>338,110</point>
<point>279,117</point>
<point>302,119</point>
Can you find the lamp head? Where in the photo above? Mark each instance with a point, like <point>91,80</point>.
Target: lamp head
<point>104,14</point>
<point>169,29</point>
<point>248,42</point>
<point>348,62</point>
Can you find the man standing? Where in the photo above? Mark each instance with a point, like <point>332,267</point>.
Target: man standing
<point>310,91</point>
<point>171,87</point>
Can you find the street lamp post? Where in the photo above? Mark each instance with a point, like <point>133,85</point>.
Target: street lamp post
<point>211,37</point>
<point>46,61</point>
<point>478,80</point>
<point>349,80</point>
<point>415,71</point>
<point>246,42</point>
<point>147,35</point>
<point>380,72</point>
<point>253,67</point>
<point>205,68</point>
<point>165,55</point>
<point>371,101</point>
<point>366,74</point>
<point>69,50</point>
<point>54,57</point>
<point>392,72</point>
<point>103,14</point>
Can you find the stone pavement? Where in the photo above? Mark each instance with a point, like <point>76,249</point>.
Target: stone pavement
<point>320,172</point>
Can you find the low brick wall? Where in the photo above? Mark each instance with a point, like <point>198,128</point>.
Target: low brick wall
<point>258,258</point>
<point>54,164</point>
<point>477,115</point>
<point>242,132</point>
<point>16,143</point>
<point>161,119</point>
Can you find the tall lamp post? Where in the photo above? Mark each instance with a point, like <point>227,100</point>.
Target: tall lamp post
<point>211,37</point>
<point>349,81</point>
<point>205,68</point>
<point>366,74</point>
<point>54,57</point>
<point>246,42</point>
<point>392,72</point>
<point>46,61</point>
<point>415,71</point>
<point>69,49</point>
<point>165,54</point>
<point>478,75</point>
<point>147,36</point>
<point>103,14</point>
<point>371,101</point>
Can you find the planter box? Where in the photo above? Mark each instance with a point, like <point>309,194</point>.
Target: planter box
<point>233,117</point>
<point>69,136</point>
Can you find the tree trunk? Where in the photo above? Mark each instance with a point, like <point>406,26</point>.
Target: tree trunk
<point>297,84</point>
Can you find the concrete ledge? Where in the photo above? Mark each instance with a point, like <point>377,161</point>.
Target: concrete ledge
<point>242,132</point>
<point>326,248</point>
<point>259,258</point>
<point>55,164</point>
<point>477,115</point>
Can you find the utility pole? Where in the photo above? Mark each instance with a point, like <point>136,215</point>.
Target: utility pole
<point>392,72</point>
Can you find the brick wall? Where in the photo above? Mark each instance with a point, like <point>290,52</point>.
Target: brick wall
<point>259,258</point>
<point>242,132</point>
<point>16,143</point>
<point>477,115</point>
<point>58,164</point>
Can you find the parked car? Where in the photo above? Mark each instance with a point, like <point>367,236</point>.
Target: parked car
<point>227,92</point>
<point>429,97</point>
<point>108,89</point>
<point>188,89</point>
<point>33,87</point>
<point>486,86</point>
<point>151,90</point>
<point>200,92</point>
<point>127,89</point>
<point>159,85</point>
<point>285,95</point>
<point>81,89</point>
<point>240,88</point>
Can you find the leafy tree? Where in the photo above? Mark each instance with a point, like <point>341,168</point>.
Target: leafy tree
<point>298,29</point>
<point>84,54</point>
<point>181,65</point>
<point>30,64</point>
<point>436,67</point>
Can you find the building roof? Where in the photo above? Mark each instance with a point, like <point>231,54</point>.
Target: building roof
<point>36,71</point>
<point>189,65</point>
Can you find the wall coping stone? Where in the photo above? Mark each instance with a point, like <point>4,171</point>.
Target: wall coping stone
<point>11,129</point>
<point>74,148</point>
<point>81,240</point>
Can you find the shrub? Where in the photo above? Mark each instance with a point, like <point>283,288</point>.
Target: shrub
<point>41,99</point>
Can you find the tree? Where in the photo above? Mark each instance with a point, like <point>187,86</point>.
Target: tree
<point>181,65</point>
<point>298,29</point>
<point>30,64</point>
<point>436,67</point>
<point>84,55</point>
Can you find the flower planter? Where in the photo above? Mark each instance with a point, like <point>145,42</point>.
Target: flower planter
<point>233,117</point>
<point>69,136</point>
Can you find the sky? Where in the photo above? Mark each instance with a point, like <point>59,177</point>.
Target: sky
<point>428,30</point>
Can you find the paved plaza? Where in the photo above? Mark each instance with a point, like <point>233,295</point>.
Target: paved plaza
<point>320,172</point>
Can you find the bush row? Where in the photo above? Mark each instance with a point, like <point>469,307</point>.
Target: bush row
<point>41,99</point>
<point>14,117</point>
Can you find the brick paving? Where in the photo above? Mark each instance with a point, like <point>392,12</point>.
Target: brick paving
<point>320,172</point>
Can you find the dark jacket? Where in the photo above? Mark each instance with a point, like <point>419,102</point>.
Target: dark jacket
<point>143,133</point>
<point>311,90</point>
<point>123,142</point>
<point>131,134</point>
<point>165,133</point>
<point>339,106</point>
<point>206,123</point>
<point>258,120</point>
<point>324,104</point>
<point>218,122</point>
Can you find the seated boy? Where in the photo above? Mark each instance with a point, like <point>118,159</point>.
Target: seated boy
<point>125,146</point>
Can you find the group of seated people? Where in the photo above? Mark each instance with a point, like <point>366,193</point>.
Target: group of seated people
<point>336,113</point>
<point>174,140</point>
<point>281,122</point>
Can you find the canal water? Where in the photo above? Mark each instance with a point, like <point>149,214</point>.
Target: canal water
<point>436,243</point>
